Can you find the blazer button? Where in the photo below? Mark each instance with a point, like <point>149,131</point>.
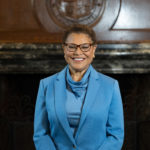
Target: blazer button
<point>74,146</point>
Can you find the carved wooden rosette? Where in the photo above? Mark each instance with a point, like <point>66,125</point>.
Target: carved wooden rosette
<point>64,13</point>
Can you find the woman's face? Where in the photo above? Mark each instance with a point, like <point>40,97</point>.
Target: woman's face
<point>78,60</point>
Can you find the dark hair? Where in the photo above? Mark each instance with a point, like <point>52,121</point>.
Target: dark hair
<point>80,29</point>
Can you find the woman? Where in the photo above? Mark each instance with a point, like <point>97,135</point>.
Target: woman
<point>78,108</point>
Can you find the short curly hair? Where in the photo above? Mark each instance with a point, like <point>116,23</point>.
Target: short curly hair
<point>80,29</point>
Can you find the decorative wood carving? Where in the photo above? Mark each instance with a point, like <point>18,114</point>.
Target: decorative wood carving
<point>68,12</point>
<point>43,21</point>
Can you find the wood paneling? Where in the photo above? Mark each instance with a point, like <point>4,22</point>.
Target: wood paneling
<point>16,15</point>
<point>134,14</point>
<point>28,21</point>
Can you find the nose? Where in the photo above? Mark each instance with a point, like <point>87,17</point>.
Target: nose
<point>78,51</point>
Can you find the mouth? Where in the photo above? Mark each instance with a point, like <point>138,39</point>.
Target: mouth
<point>78,59</point>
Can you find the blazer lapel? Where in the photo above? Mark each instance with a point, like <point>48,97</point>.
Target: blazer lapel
<point>92,91</point>
<point>60,98</point>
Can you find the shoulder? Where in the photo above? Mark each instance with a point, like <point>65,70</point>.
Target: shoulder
<point>106,78</point>
<point>102,76</point>
<point>51,79</point>
<point>103,79</point>
<point>48,80</point>
<point>107,84</point>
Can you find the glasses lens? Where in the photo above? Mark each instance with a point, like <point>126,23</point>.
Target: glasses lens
<point>71,47</point>
<point>85,47</point>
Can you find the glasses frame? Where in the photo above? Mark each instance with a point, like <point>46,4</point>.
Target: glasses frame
<point>90,44</point>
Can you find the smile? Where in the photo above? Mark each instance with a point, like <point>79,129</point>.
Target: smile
<point>78,59</point>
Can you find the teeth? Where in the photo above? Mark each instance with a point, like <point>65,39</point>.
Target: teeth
<point>78,58</point>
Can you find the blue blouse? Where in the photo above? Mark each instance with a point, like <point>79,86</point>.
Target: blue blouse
<point>76,92</point>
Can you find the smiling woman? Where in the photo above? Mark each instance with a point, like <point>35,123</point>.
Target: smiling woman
<point>79,107</point>
<point>79,52</point>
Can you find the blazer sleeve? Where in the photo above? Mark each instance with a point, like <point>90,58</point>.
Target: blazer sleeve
<point>115,123</point>
<point>41,136</point>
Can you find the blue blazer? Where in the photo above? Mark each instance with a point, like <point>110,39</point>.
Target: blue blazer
<point>101,125</point>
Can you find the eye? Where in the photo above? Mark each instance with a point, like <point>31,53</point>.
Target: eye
<point>85,46</point>
<point>71,46</point>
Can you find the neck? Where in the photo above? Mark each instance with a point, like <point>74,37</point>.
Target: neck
<point>77,75</point>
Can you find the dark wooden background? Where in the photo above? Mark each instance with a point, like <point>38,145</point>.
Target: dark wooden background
<point>123,21</point>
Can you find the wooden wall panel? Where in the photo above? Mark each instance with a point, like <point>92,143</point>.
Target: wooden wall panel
<point>134,14</point>
<point>16,15</point>
<point>28,21</point>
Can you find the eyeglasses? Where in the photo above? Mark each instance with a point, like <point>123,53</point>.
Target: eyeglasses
<point>73,47</point>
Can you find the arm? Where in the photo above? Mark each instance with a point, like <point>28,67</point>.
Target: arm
<point>115,123</point>
<point>41,137</point>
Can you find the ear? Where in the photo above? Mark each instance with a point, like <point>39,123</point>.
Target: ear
<point>94,47</point>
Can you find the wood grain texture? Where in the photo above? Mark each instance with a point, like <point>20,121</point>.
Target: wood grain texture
<point>28,21</point>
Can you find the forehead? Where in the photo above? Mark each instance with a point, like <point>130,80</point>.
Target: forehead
<point>78,38</point>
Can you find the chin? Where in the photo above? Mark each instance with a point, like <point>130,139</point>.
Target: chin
<point>79,69</point>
